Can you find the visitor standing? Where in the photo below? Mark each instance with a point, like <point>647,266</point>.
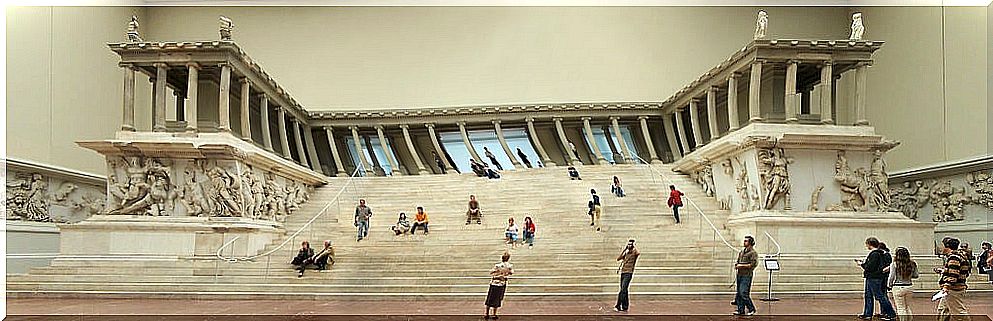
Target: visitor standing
<point>492,158</point>
<point>420,219</point>
<point>573,173</point>
<point>441,163</point>
<point>595,209</point>
<point>615,187</point>
<point>675,201</point>
<point>473,213</point>
<point>903,271</point>
<point>524,157</point>
<point>572,147</point>
<point>498,284</point>
<point>362,215</point>
<point>985,262</point>
<point>628,258</point>
<point>529,229</point>
<point>872,271</point>
<point>952,281</point>
<point>748,259</point>
<point>887,260</point>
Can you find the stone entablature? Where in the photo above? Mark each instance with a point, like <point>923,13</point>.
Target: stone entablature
<point>45,193</point>
<point>959,191</point>
<point>483,113</point>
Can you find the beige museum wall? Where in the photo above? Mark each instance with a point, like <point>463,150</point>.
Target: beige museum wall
<point>928,85</point>
<point>382,57</point>
<point>63,84</point>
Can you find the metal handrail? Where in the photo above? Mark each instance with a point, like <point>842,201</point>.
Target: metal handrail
<point>298,231</point>
<point>778,248</point>
<point>690,201</point>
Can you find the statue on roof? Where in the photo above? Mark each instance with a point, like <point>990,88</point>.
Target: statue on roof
<point>133,35</point>
<point>857,28</point>
<point>761,24</point>
<point>226,25</point>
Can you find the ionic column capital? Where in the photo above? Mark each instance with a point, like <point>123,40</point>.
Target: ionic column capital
<point>827,62</point>
<point>586,118</point>
<point>405,126</point>
<point>461,123</point>
<point>243,80</point>
<point>353,128</point>
<point>378,127</point>
<point>160,65</point>
<point>734,75</point>
<point>529,119</point>
<point>495,122</point>
<point>428,125</point>
<point>192,64</point>
<point>642,117</point>
<point>557,119</point>
<point>695,100</point>
<point>126,65</point>
<point>613,118</point>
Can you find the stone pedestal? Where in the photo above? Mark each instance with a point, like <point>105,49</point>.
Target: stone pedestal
<point>167,237</point>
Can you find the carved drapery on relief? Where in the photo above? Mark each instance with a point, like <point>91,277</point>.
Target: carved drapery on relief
<point>948,202</point>
<point>147,189</point>
<point>748,195</point>
<point>982,185</point>
<point>705,177</point>
<point>815,199</point>
<point>910,198</point>
<point>861,189</point>
<point>775,177</point>
<point>39,198</point>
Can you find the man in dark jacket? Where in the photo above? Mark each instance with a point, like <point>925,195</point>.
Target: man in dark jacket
<point>872,271</point>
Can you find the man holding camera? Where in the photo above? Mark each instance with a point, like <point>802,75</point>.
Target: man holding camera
<point>627,258</point>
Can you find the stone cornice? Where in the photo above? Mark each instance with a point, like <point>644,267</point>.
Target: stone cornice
<point>959,166</point>
<point>14,164</point>
<point>483,113</point>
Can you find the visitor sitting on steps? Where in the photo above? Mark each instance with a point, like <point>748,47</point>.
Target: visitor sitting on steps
<point>403,224</point>
<point>574,174</point>
<point>616,187</point>
<point>473,213</point>
<point>325,257</point>
<point>420,219</point>
<point>300,261</point>
<point>510,235</point>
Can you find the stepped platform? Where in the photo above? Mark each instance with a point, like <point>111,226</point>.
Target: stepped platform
<point>570,258</point>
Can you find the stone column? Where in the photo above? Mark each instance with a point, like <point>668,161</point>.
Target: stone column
<point>733,122</point>
<point>394,167</point>
<point>537,143</point>
<point>790,95</point>
<point>670,136</point>
<point>308,140</point>
<point>712,112</point>
<point>158,121</point>
<point>648,139</point>
<point>373,159</point>
<point>246,120</point>
<point>591,140</point>
<point>626,153</point>
<point>192,95</point>
<point>180,105</point>
<point>827,116</point>
<point>437,148</point>
<point>695,122</point>
<point>614,151</point>
<point>755,92</point>
<point>503,143</point>
<point>682,132</point>
<point>860,91</point>
<point>572,160</point>
<point>299,142</point>
<point>127,124</point>
<point>283,138</point>
<point>339,168</point>
<point>358,149</point>
<point>421,170</point>
<point>224,100</point>
<point>264,111</point>
<point>468,144</point>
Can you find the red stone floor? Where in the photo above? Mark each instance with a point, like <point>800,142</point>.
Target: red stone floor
<point>980,304</point>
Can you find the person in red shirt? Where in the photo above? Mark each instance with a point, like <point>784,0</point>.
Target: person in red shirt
<point>529,231</point>
<point>675,201</point>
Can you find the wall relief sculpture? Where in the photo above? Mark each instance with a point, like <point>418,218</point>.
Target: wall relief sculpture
<point>815,199</point>
<point>982,186</point>
<point>948,202</point>
<point>39,198</point>
<point>775,177</point>
<point>705,177</point>
<point>910,198</point>
<point>861,189</point>
<point>747,194</point>
<point>147,189</point>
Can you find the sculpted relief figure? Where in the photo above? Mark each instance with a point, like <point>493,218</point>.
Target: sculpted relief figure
<point>224,191</point>
<point>193,198</point>
<point>909,198</point>
<point>879,181</point>
<point>775,177</point>
<point>256,192</point>
<point>948,202</point>
<point>133,34</point>
<point>705,177</point>
<point>815,198</point>
<point>276,208</point>
<point>747,194</point>
<point>857,28</point>
<point>862,190</point>
<point>28,199</point>
<point>225,28</point>
<point>148,190</point>
<point>761,24</point>
<point>982,185</point>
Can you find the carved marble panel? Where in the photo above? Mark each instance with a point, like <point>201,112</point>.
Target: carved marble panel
<point>42,194</point>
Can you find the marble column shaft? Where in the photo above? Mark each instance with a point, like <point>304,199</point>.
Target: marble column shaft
<point>358,149</point>
<point>712,113</point>
<point>503,143</point>
<point>591,140</point>
<point>572,159</point>
<point>860,92</point>
<point>394,167</point>
<point>299,142</point>
<point>246,120</point>
<point>468,143</point>
<point>695,123</point>
<point>308,140</point>
<point>755,92</point>
<point>224,100</point>
<point>681,130</point>
<point>827,81</point>
<point>437,147</point>
<point>127,124</point>
<point>733,122</point>
<point>537,143</point>
<point>670,136</point>
<point>283,138</point>
<point>620,139</point>
<point>790,96</point>
<point>159,112</point>
<point>648,139</point>
<point>264,110</point>
<point>421,170</point>
<point>192,97</point>
<point>339,167</point>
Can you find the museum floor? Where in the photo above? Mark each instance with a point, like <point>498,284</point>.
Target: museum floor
<point>979,304</point>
